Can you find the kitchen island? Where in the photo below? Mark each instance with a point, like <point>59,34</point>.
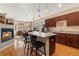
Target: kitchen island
<point>44,37</point>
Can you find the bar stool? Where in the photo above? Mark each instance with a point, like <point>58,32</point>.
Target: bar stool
<point>37,45</point>
<point>27,42</point>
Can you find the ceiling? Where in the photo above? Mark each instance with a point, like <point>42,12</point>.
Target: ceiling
<point>26,11</point>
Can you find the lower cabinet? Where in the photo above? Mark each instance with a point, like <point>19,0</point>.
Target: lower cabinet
<point>60,38</point>
<point>76,41</point>
<point>71,40</point>
<point>52,42</point>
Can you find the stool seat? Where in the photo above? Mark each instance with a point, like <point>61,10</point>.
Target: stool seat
<point>38,44</point>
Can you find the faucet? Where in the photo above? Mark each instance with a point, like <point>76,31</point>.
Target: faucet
<point>60,29</point>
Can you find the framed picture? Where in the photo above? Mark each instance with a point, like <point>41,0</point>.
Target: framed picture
<point>2,20</point>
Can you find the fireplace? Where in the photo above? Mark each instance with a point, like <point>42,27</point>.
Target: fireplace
<point>7,34</point>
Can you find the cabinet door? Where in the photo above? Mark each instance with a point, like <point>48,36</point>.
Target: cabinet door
<point>51,45</point>
<point>50,22</point>
<point>47,22</point>
<point>69,40</point>
<point>76,41</point>
<point>73,19</point>
<point>64,17</point>
<point>60,38</point>
<point>57,18</point>
<point>61,18</point>
<point>57,38</point>
<point>53,22</point>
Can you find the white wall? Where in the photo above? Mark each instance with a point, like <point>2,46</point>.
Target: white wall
<point>13,11</point>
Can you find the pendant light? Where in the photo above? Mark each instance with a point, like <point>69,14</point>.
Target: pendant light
<point>46,11</point>
<point>33,12</point>
<point>38,10</point>
<point>59,5</point>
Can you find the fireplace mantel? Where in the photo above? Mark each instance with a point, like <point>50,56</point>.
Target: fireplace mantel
<point>6,26</point>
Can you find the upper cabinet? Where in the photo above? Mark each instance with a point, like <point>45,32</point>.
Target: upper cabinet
<point>73,19</point>
<point>61,18</point>
<point>50,22</point>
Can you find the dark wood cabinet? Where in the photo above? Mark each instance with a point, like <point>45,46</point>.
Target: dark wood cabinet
<point>47,23</point>
<point>52,41</point>
<point>57,18</point>
<point>61,18</point>
<point>53,22</point>
<point>60,38</point>
<point>64,17</point>
<point>75,41</point>
<point>71,40</point>
<point>50,22</point>
<point>73,19</point>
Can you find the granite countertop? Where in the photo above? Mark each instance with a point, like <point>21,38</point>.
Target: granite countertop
<point>68,32</point>
<point>42,34</point>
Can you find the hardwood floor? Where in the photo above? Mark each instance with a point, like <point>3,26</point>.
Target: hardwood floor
<point>9,51</point>
<point>62,50</point>
<point>13,50</point>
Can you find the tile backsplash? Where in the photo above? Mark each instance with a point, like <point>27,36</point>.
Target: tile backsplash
<point>64,27</point>
<point>68,28</point>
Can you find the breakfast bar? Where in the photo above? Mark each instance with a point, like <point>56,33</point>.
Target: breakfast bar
<point>44,37</point>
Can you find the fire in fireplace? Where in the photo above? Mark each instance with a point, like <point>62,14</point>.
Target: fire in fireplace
<point>7,34</point>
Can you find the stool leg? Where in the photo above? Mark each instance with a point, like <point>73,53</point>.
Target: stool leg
<point>24,48</point>
<point>25,44</point>
<point>36,51</point>
<point>44,51</point>
<point>28,49</point>
<point>31,50</point>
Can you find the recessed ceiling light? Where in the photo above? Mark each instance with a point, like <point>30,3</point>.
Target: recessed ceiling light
<point>60,5</point>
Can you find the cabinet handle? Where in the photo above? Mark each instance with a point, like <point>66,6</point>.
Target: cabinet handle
<point>52,40</point>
